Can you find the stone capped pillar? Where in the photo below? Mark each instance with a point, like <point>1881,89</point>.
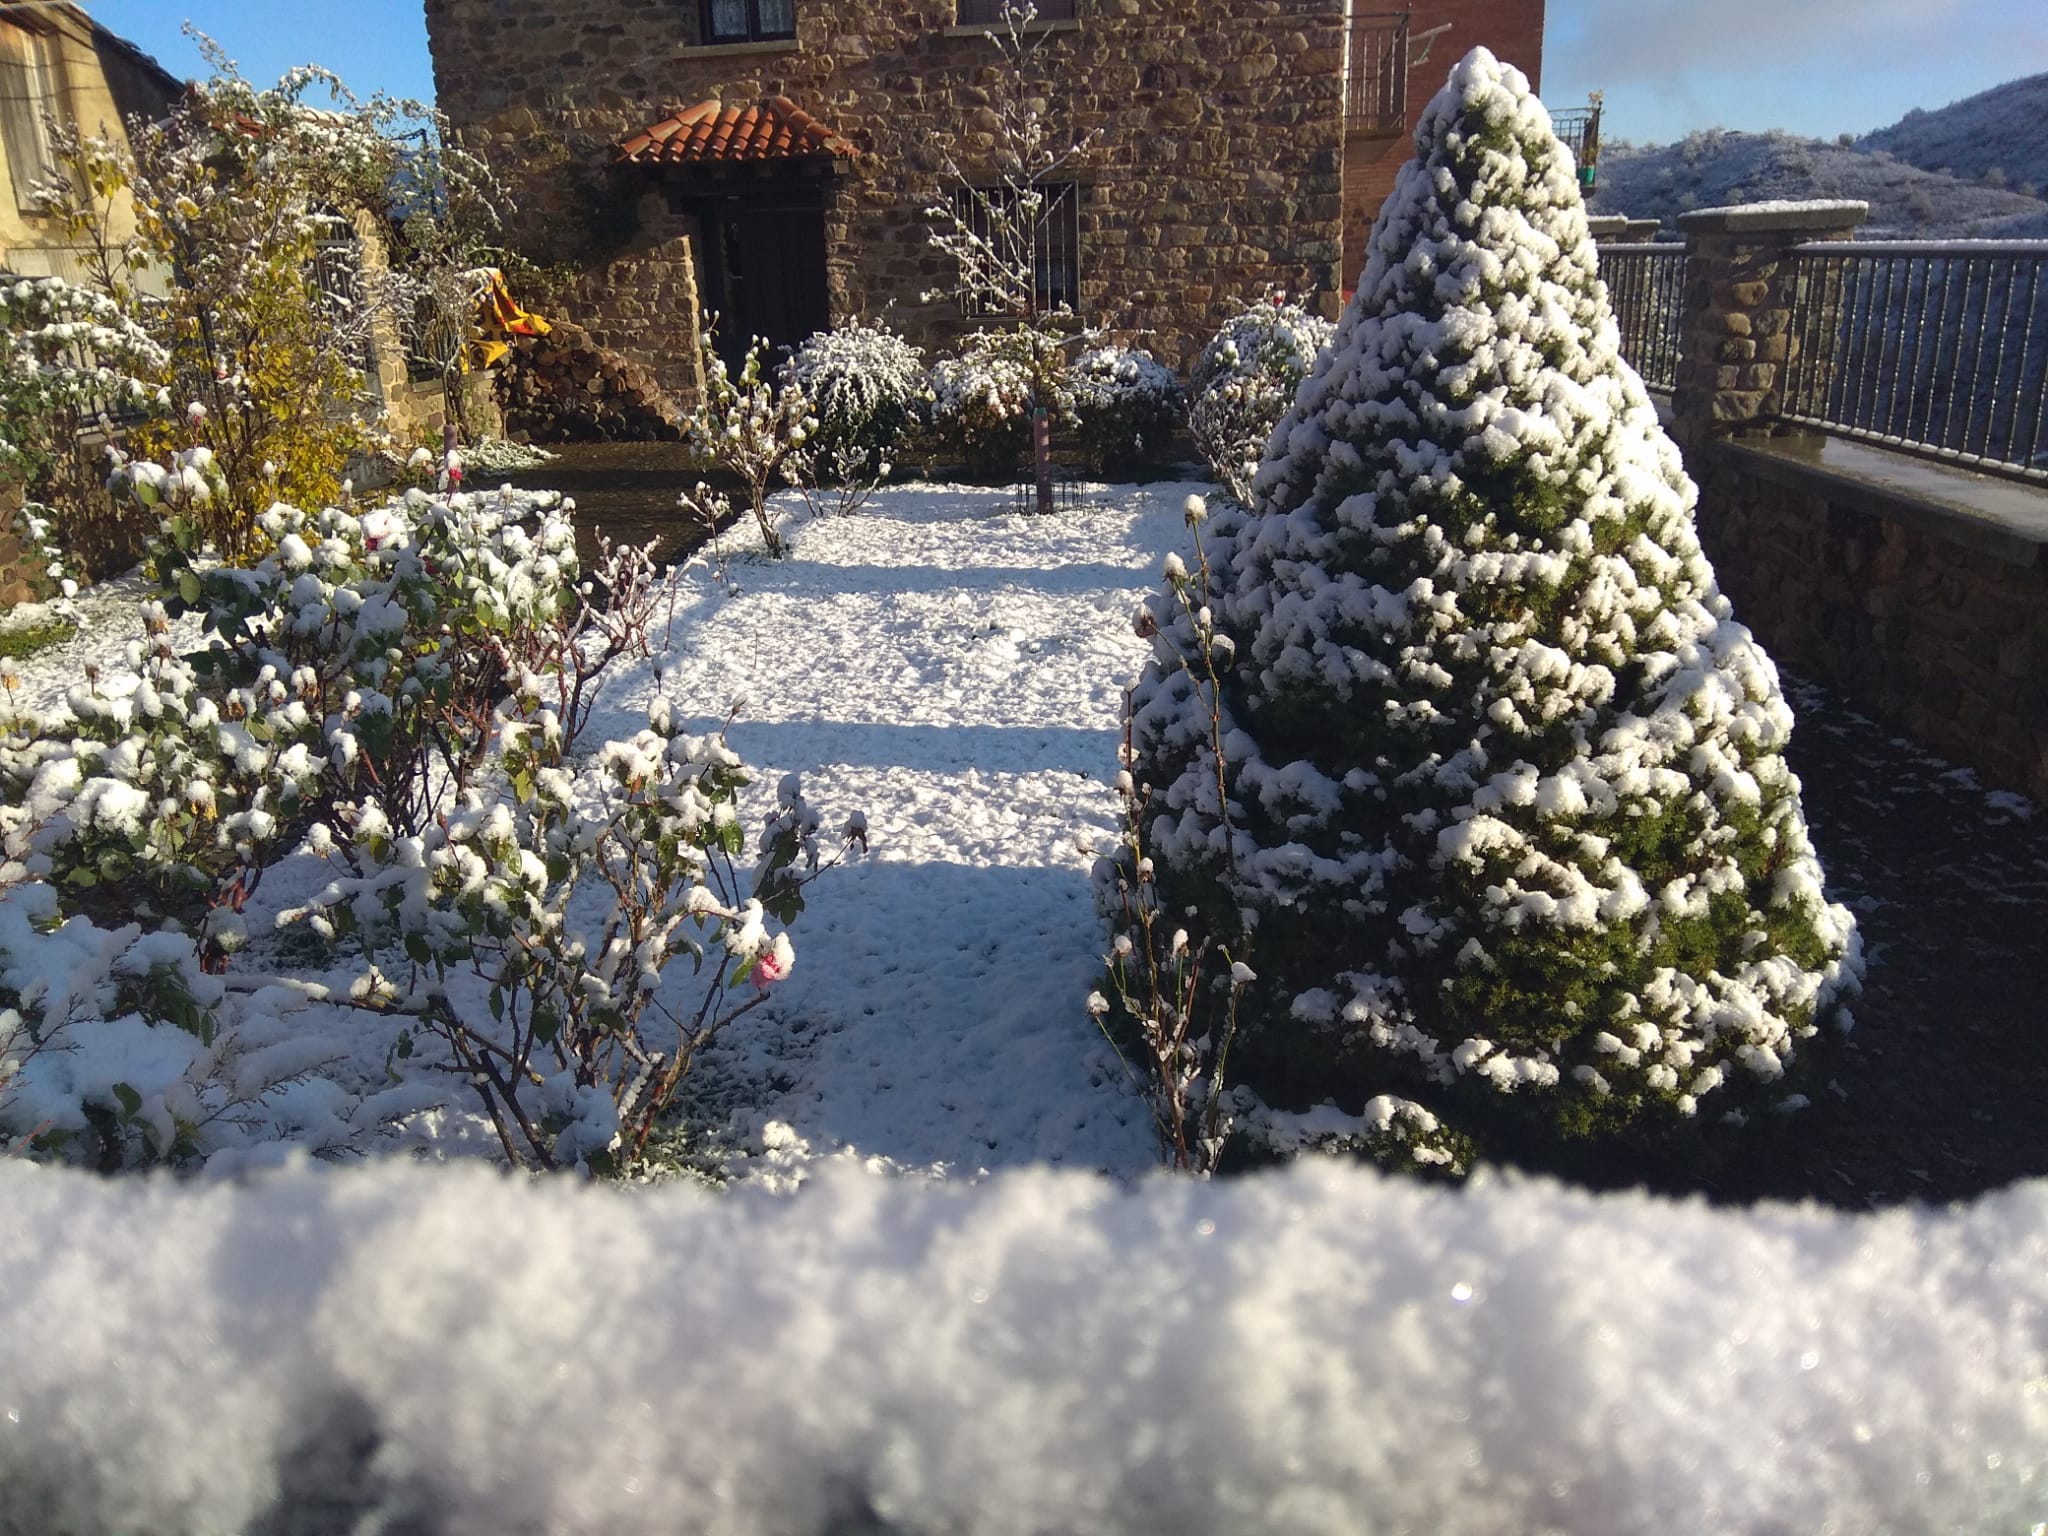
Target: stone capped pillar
<point>1736,334</point>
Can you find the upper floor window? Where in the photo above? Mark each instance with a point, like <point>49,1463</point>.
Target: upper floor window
<point>749,21</point>
<point>28,97</point>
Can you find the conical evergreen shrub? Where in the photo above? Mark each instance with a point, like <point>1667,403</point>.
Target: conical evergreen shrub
<point>1510,839</point>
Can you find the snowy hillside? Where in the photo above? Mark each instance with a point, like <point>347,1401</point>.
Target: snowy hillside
<point>1993,137</point>
<point>1717,167</point>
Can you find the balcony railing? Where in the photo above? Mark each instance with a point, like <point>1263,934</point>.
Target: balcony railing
<point>1941,348</point>
<point>1376,73</point>
<point>1646,284</point>
<point>1579,129</point>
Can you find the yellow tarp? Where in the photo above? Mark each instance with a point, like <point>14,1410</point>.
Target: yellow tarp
<point>498,319</point>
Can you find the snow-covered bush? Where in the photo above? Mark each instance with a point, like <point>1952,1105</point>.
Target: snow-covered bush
<point>70,359</point>
<point>575,1054</point>
<point>867,386</point>
<point>983,400</point>
<point>1243,382</point>
<point>1488,786</point>
<point>1127,405</point>
<point>751,428</point>
<point>361,658</point>
<point>394,691</point>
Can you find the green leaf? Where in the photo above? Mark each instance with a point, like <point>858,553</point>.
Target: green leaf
<point>416,949</point>
<point>131,1102</point>
<point>498,1003</point>
<point>547,1023</point>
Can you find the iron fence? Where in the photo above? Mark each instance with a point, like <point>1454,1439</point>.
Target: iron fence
<point>1936,347</point>
<point>1646,284</point>
<point>1376,73</point>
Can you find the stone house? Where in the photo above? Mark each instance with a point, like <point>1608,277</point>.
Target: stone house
<point>57,62</point>
<point>773,160</point>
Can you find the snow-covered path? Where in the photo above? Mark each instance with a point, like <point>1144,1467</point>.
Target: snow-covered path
<point>955,671</point>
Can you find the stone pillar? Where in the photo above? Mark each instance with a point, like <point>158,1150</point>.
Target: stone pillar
<point>388,375</point>
<point>1736,335</point>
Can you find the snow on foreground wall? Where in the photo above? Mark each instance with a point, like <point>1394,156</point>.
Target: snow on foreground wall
<point>447,1350</point>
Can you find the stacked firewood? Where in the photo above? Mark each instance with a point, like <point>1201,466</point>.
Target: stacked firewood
<point>563,387</point>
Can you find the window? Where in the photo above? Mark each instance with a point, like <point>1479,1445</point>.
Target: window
<point>1048,246</point>
<point>749,21</point>
<point>976,13</point>
<point>27,98</point>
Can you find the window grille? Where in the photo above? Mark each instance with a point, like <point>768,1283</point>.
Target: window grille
<point>1049,244</point>
<point>749,21</point>
<point>980,13</point>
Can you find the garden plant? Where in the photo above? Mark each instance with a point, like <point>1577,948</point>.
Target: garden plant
<point>1453,740</point>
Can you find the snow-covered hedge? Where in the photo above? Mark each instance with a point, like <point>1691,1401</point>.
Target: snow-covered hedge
<point>983,399</point>
<point>1243,382</point>
<point>1324,1353</point>
<point>363,644</point>
<point>71,359</point>
<point>1127,405</point>
<point>868,388</point>
<point>1453,740</point>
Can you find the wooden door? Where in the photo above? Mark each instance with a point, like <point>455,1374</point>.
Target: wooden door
<point>768,277</point>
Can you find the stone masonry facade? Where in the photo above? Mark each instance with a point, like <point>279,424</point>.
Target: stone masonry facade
<point>1217,171</point>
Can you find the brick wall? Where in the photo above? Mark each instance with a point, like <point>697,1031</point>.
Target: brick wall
<point>1217,172</point>
<point>1513,29</point>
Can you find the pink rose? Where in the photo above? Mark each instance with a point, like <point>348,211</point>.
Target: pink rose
<point>774,963</point>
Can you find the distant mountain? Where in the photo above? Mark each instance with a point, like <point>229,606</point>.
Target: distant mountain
<point>1717,167</point>
<point>1999,136</point>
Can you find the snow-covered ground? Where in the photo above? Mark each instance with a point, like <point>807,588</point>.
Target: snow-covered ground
<point>954,670</point>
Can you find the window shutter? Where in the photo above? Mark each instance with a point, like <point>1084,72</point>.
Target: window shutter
<point>25,97</point>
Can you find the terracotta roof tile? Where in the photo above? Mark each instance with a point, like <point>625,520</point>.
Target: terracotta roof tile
<point>710,133</point>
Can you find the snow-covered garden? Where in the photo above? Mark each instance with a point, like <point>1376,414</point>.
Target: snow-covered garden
<point>894,888</point>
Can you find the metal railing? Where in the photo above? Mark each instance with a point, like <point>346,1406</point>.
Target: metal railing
<point>1376,73</point>
<point>1579,130</point>
<point>1937,347</point>
<point>1646,284</point>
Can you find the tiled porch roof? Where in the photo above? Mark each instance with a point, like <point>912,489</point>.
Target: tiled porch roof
<point>712,134</point>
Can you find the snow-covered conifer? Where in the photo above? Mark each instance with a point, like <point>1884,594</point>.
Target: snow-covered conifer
<point>1504,823</point>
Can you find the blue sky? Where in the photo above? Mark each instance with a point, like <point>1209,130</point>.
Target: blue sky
<point>1811,66</point>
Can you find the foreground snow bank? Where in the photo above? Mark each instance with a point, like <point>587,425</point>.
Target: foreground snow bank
<point>430,1351</point>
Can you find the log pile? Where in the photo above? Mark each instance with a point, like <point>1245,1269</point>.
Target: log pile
<point>563,387</point>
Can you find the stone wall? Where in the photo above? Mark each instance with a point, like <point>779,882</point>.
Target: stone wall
<point>1931,617</point>
<point>18,563</point>
<point>1216,174</point>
